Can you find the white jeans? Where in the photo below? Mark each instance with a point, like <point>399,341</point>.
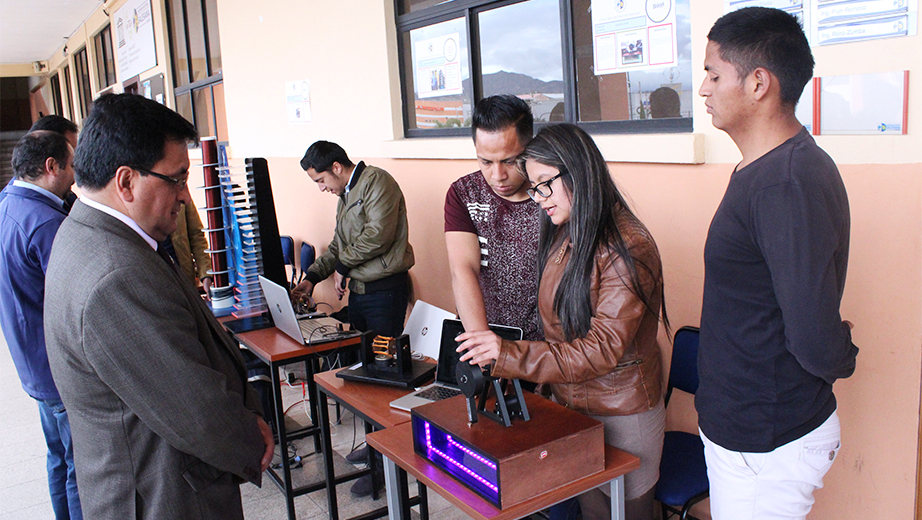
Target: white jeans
<point>774,485</point>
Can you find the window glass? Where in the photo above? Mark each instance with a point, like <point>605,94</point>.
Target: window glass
<point>520,54</point>
<point>178,40</point>
<point>630,95</point>
<point>610,65</point>
<point>184,106</point>
<point>439,76</point>
<point>219,112</point>
<point>84,93</point>
<point>69,93</point>
<point>100,61</point>
<point>197,53</point>
<point>56,94</point>
<point>203,107</point>
<point>105,62</point>
<point>110,56</point>
<point>214,37</point>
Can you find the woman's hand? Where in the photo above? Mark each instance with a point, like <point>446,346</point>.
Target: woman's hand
<point>479,347</point>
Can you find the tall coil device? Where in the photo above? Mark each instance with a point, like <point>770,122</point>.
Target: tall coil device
<point>242,231</point>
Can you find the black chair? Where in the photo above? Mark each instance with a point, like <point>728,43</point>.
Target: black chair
<point>288,253</point>
<point>683,479</point>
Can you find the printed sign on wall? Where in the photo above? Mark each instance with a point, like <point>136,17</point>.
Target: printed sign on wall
<point>134,34</point>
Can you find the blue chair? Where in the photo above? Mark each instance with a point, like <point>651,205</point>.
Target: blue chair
<point>683,479</point>
<point>308,255</point>
<point>288,253</point>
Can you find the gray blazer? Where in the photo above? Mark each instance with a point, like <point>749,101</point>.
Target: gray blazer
<point>163,420</point>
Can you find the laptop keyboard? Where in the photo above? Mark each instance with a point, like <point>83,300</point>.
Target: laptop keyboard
<point>437,393</point>
<point>316,329</point>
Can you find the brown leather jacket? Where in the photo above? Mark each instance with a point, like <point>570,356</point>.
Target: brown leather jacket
<point>616,369</point>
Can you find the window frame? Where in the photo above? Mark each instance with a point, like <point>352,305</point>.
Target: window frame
<point>68,92</point>
<point>105,63</point>
<point>84,91</point>
<point>213,79</point>
<point>469,11</point>
<point>56,99</point>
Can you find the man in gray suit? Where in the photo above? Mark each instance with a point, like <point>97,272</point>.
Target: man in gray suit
<point>164,423</point>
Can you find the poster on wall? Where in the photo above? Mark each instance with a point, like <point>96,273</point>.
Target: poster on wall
<point>438,66</point>
<point>298,101</point>
<point>134,32</point>
<point>828,22</point>
<point>864,104</point>
<point>633,35</point>
<point>840,21</point>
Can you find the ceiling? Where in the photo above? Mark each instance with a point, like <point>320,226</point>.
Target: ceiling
<point>32,30</point>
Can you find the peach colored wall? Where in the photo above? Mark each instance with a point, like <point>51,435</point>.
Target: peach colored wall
<point>356,100</point>
<point>876,472</point>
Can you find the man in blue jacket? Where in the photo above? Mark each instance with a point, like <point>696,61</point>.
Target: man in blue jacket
<point>31,210</point>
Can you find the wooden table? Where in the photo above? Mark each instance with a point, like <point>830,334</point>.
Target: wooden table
<point>371,403</point>
<point>277,349</point>
<point>396,444</point>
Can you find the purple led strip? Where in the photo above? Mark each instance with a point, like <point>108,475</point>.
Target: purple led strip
<point>456,463</point>
<point>471,453</point>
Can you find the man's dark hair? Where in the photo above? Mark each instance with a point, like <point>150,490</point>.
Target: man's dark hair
<point>770,38</point>
<point>321,155</point>
<point>55,123</point>
<point>665,102</point>
<point>497,113</point>
<point>34,148</point>
<point>125,130</point>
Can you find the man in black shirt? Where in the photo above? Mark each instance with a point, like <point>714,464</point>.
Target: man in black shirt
<point>772,339</point>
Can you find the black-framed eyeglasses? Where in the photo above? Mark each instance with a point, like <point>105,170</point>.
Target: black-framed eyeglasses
<point>177,182</point>
<point>541,187</point>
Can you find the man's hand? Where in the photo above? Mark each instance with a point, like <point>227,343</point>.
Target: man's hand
<point>266,432</point>
<point>302,291</point>
<point>340,282</point>
<point>481,347</point>
<point>206,284</point>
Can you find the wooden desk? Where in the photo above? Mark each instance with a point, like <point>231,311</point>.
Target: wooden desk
<point>277,349</point>
<point>396,444</point>
<point>369,402</point>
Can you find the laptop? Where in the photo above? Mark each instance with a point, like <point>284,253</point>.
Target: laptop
<point>445,385</point>
<point>308,331</point>
<point>424,328</point>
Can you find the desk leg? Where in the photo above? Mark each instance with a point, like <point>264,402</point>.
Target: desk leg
<point>397,503</point>
<point>310,366</point>
<point>327,452</point>
<point>423,500</point>
<point>283,440</point>
<point>617,498</point>
<point>372,464</point>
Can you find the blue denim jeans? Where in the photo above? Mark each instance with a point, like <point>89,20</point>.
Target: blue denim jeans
<point>62,479</point>
<point>382,312</point>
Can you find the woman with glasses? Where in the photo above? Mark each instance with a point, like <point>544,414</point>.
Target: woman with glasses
<point>600,298</point>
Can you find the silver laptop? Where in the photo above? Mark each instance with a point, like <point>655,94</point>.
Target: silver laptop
<point>425,327</point>
<point>446,385</point>
<point>308,331</point>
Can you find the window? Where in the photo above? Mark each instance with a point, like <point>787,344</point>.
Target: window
<point>601,70</point>
<point>84,91</point>
<point>105,60</point>
<point>56,94</point>
<point>68,93</point>
<point>195,45</point>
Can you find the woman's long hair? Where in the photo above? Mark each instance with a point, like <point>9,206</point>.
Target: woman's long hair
<point>595,204</point>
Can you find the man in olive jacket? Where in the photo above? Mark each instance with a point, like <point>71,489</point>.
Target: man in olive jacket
<point>370,247</point>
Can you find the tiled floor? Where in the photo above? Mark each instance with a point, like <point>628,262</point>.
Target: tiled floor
<point>23,480</point>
